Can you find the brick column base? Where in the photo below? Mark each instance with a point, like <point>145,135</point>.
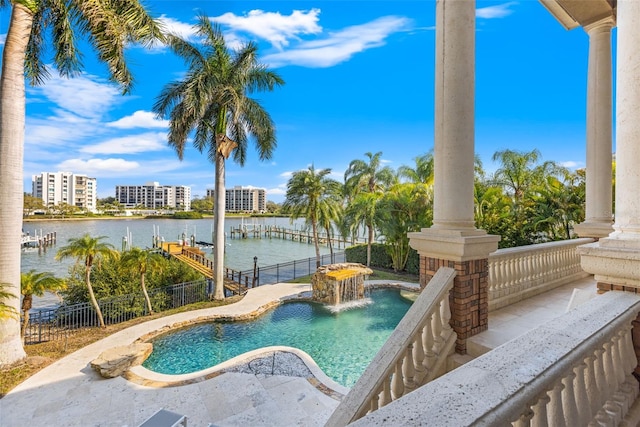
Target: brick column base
<point>604,287</point>
<point>469,298</point>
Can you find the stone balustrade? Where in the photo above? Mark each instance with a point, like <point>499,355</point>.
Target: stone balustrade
<point>575,370</point>
<point>415,353</point>
<point>516,274</point>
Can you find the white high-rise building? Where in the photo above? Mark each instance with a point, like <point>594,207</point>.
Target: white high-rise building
<point>244,199</point>
<point>65,187</point>
<point>152,195</point>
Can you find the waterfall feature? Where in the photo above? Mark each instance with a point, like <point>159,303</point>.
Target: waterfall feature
<point>339,284</point>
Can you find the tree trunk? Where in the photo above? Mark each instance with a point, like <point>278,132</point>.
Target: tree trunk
<point>146,295</point>
<point>27,303</point>
<point>218,221</point>
<point>369,241</point>
<point>12,118</point>
<point>94,302</point>
<point>314,228</point>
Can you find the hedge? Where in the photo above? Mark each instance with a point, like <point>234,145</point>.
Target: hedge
<point>380,258</point>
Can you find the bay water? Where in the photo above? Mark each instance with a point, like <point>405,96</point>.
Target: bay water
<point>239,253</point>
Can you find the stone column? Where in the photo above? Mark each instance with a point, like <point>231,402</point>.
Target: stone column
<point>598,218</point>
<point>615,260</point>
<point>453,239</point>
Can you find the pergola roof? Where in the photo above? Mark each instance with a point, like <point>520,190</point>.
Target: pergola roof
<point>580,13</point>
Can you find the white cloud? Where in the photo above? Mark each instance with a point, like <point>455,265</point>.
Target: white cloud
<point>3,38</point>
<point>139,119</point>
<point>340,46</point>
<point>85,96</point>
<point>98,167</point>
<point>278,191</point>
<point>120,168</point>
<point>183,30</point>
<point>274,27</point>
<point>287,174</point>
<point>498,11</point>
<point>129,144</point>
<point>571,164</point>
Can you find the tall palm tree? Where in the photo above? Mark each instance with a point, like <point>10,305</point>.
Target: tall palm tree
<point>213,99</point>
<point>34,283</point>
<point>142,261</point>
<point>89,250</point>
<point>108,26</point>
<point>366,177</point>
<point>309,193</point>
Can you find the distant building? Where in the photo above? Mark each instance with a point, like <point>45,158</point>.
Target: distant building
<point>55,188</point>
<point>244,199</point>
<point>152,195</point>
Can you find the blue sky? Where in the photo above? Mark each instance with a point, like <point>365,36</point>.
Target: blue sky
<point>359,78</point>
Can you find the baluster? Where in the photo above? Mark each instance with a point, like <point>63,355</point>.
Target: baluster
<point>427,340</point>
<point>569,403</point>
<point>408,369</point>
<point>437,328</point>
<point>397,384</point>
<point>556,411</point>
<point>585,412</point>
<point>524,420</point>
<point>445,313</point>
<point>375,400</point>
<point>540,415</point>
<point>499,282</point>
<point>385,399</point>
<point>494,277</point>
<point>600,377</point>
<point>418,358</point>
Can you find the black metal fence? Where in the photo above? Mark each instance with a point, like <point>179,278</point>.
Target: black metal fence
<point>291,270</point>
<point>57,323</point>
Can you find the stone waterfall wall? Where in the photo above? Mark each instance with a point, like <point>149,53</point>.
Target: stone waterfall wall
<point>330,282</point>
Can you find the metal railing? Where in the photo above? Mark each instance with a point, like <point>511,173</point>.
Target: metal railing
<point>57,323</point>
<point>286,271</point>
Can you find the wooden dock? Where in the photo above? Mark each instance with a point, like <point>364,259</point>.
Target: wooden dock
<point>196,259</point>
<point>40,242</point>
<point>273,232</point>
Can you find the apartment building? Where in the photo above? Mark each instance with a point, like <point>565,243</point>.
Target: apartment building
<point>72,189</point>
<point>152,195</point>
<point>244,199</point>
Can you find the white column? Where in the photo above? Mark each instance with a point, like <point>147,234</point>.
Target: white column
<point>453,235</point>
<point>616,259</point>
<point>454,115</point>
<point>627,222</point>
<point>598,218</point>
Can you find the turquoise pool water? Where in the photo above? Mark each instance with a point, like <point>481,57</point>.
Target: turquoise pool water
<point>341,343</point>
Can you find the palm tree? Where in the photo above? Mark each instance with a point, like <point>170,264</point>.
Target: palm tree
<point>33,283</point>
<point>309,193</point>
<point>423,172</point>
<point>109,26</point>
<point>213,100</point>
<point>142,261</point>
<point>367,177</point>
<point>6,310</point>
<point>88,249</point>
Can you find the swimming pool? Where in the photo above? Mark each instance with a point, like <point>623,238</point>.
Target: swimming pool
<point>342,343</point>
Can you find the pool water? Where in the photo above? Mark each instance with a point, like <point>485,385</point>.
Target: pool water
<point>342,343</point>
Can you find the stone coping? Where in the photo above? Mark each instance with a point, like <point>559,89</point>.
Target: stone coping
<point>291,361</point>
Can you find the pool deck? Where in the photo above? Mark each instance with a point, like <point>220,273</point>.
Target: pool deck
<point>70,393</point>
